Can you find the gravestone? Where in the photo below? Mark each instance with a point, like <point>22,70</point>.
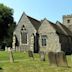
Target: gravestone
<point>30,54</point>
<point>6,49</point>
<point>61,59</point>
<point>11,56</point>
<point>52,58</point>
<point>42,55</point>
<point>14,42</point>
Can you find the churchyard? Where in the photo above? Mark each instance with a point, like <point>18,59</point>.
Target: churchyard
<point>23,62</point>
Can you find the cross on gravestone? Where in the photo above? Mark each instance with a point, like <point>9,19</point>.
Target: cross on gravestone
<point>52,58</point>
<point>30,53</point>
<point>61,59</point>
<point>42,55</point>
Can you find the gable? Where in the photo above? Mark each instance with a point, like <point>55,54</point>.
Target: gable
<point>28,25</point>
<point>24,21</point>
<point>46,27</point>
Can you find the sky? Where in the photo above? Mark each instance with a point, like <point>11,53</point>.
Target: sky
<point>53,10</point>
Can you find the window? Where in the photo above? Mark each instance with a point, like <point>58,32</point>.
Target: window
<point>68,21</point>
<point>44,40</point>
<point>24,35</point>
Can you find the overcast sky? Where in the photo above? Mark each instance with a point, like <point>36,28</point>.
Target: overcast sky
<point>40,9</point>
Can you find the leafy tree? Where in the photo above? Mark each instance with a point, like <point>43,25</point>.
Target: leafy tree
<point>7,24</point>
<point>9,37</point>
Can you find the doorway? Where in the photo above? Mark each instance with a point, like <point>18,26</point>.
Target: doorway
<point>36,43</point>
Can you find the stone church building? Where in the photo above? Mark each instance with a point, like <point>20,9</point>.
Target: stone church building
<point>35,35</point>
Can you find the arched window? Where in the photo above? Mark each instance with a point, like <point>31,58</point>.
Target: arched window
<point>24,35</point>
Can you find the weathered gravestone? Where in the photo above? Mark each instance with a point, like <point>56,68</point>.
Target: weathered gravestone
<point>11,56</point>
<point>57,58</point>
<point>52,58</point>
<point>30,54</point>
<point>61,59</point>
<point>42,55</point>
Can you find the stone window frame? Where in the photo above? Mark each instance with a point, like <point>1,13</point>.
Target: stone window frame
<point>44,37</point>
<point>23,29</point>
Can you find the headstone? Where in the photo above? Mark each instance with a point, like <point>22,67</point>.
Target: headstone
<point>42,55</point>
<point>6,49</point>
<point>52,58</point>
<point>30,53</point>
<point>14,42</point>
<point>61,59</point>
<point>9,48</point>
<point>11,56</point>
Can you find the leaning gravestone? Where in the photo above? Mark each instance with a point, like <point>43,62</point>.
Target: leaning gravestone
<point>42,55</point>
<point>30,54</point>
<point>52,58</point>
<point>11,56</point>
<point>61,59</point>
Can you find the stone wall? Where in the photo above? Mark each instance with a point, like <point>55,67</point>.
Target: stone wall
<point>52,38</point>
<point>30,30</point>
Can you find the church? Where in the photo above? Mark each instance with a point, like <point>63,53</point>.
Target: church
<point>32,34</point>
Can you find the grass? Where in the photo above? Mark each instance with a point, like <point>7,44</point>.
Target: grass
<point>29,65</point>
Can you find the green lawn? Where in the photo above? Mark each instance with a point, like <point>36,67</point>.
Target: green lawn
<point>26,64</point>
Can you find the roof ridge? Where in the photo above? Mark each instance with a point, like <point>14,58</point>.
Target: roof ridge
<point>49,21</point>
<point>62,28</point>
<point>36,23</point>
<point>33,18</point>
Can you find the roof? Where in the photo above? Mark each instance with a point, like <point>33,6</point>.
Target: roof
<point>61,29</point>
<point>68,32</point>
<point>57,28</point>
<point>34,22</point>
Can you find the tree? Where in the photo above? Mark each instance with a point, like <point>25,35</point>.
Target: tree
<point>9,37</point>
<point>7,24</point>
